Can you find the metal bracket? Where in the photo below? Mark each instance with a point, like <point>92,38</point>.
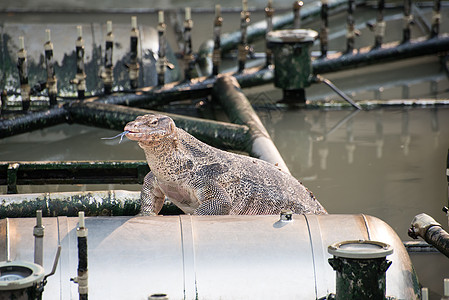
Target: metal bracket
<point>11,178</point>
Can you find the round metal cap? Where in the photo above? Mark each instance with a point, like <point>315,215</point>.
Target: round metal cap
<point>360,249</point>
<point>16,275</point>
<point>292,36</point>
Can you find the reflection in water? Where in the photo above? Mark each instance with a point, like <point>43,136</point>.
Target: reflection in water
<point>387,163</point>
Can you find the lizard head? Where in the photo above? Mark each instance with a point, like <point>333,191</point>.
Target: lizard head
<point>150,128</point>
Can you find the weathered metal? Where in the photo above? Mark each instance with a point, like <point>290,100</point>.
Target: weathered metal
<point>269,12</point>
<point>51,75</point>
<point>426,227</point>
<point>133,65</point>
<point>408,19</point>
<point>238,109</point>
<point>360,267</point>
<point>83,275</point>
<point>108,74</point>
<point>297,5</point>
<point>219,134</point>
<point>94,203</point>
<point>436,19</point>
<point>216,54</point>
<point>80,79</point>
<point>258,30</point>
<point>22,65</point>
<point>389,52</point>
<point>161,62</point>
<point>243,47</point>
<point>292,59</point>
<point>352,32</point>
<point>260,257</point>
<point>13,124</point>
<point>189,59</point>
<point>13,174</point>
<point>379,27</point>
<point>324,27</point>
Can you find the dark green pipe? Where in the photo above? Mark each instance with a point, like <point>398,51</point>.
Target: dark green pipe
<point>19,123</point>
<point>218,134</point>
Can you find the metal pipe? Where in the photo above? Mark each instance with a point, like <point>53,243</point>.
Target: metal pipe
<point>324,32</point>
<point>216,54</point>
<point>133,66</point>
<point>230,41</point>
<point>379,30</point>
<point>22,65</point>
<point>436,18</point>
<point>49,63</point>
<point>108,75</point>
<point>408,18</point>
<point>162,60</point>
<point>243,47</point>
<point>239,110</point>
<point>80,79</point>
<point>83,275</point>
<point>350,36</point>
<point>189,60</point>
<point>387,53</point>
<point>427,228</point>
<point>269,12</point>
<point>94,203</point>
<point>38,233</point>
<point>339,92</point>
<point>218,134</point>
<point>15,124</point>
<point>297,5</point>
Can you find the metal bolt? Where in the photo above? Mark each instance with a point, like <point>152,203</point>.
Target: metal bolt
<point>286,215</point>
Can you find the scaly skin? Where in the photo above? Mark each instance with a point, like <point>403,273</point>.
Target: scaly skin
<point>203,180</point>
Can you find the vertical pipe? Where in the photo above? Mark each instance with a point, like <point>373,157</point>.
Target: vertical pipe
<point>82,278</point>
<point>133,66</point>
<point>216,55</point>
<point>436,17</point>
<point>189,61</point>
<point>350,36</point>
<point>243,47</point>
<point>22,65</point>
<point>379,30</point>
<point>161,62</point>
<point>297,14</point>
<point>108,75</point>
<point>80,79</point>
<point>324,32</point>
<point>407,21</point>
<point>269,12</point>
<point>4,100</point>
<point>38,233</point>
<point>49,63</point>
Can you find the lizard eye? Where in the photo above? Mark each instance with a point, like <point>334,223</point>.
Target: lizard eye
<point>154,122</point>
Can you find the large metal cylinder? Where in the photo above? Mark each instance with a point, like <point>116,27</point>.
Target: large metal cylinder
<point>206,257</point>
<point>292,59</point>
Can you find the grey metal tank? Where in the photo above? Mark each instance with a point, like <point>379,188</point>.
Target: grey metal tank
<point>205,257</point>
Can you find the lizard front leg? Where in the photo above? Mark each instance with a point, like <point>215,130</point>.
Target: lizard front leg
<point>151,197</point>
<point>214,200</point>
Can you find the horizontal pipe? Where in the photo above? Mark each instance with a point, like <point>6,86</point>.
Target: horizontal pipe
<point>93,203</point>
<point>388,52</point>
<point>237,107</point>
<point>19,123</point>
<point>427,228</point>
<point>75,172</point>
<point>219,134</point>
